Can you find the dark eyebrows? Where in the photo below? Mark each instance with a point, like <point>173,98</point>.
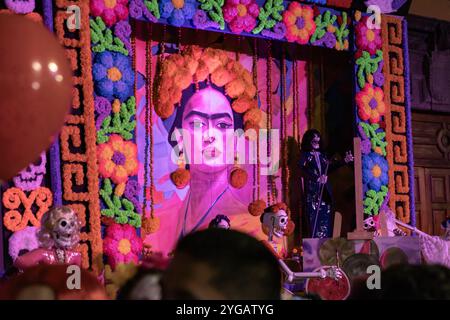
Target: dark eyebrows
<point>198,113</point>
<point>207,116</point>
<point>220,115</point>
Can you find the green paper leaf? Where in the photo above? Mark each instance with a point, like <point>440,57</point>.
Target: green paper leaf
<point>377,139</point>
<point>321,22</point>
<point>107,212</point>
<point>128,205</point>
<point>269,16</point>
<point>153,7</point>
<point>121,209</point>
<point>103,38</point>
<point>374,200</point>
<point>123,123</point>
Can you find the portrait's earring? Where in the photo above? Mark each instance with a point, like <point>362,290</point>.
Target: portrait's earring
<point>238,176</point>
<point>181,176</point>
<point>256,208</point>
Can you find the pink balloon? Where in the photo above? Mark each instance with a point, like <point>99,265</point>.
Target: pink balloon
<point>35,91</point>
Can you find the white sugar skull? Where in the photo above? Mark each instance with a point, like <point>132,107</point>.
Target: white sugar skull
<point>369,224</point>
<point>275,223</point>
<point>31,177</point>
<point>20,6</point>
<point>23,241</point>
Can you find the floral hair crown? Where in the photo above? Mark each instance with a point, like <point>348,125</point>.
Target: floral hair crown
<point>194,65</point>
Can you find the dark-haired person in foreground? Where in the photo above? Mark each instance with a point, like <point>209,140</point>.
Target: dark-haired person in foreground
<point>222,264</point>
<point>407,282</point>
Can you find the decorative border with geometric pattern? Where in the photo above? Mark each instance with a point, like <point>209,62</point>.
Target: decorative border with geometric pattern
<point>78,136</point>
<point>397,123</point>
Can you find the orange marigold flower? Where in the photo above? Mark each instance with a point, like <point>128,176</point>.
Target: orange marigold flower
<point>212,59</point>
<point>117,159</point>
<point>235,67</point>
<point>194,52</point>
<point>235,88</point>
<point>191,64</point>
<point>247,77</point>
<point>178,59</point>
<point>164,88</point>
<point>164,110</point>
<point>299,21</point>
<point>253,114</point>
<point>169,68</point>
<point>250,90</point>
<point>183,78</point>
<point>242,104</point>
<point>221,77</point>
<point>175,95</point>
<point>166,82</point>
<point>150,225</point>
<point>370,102</point>
<point>202,71</point>
<point>223,56</point>
<point>164,95</point>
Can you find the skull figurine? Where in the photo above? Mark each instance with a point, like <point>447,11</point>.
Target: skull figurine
<point>58,236</point>
<point>369,224</point>
<point>275,223</point>
<point>20,6</point>
<point>31,177</point>
<point>60,228</point>
<point>64,232</point>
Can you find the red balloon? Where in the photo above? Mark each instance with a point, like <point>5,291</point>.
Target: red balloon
<point>35,91</point>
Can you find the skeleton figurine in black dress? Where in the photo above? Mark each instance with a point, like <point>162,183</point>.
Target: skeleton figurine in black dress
<point>315,167</point>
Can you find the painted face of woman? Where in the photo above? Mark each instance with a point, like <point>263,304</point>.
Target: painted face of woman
<point>207,118</point>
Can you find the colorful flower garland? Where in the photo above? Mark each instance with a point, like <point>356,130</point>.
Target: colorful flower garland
<point>371,109</point>
<point>115,105</point>
<point>272,19</point>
